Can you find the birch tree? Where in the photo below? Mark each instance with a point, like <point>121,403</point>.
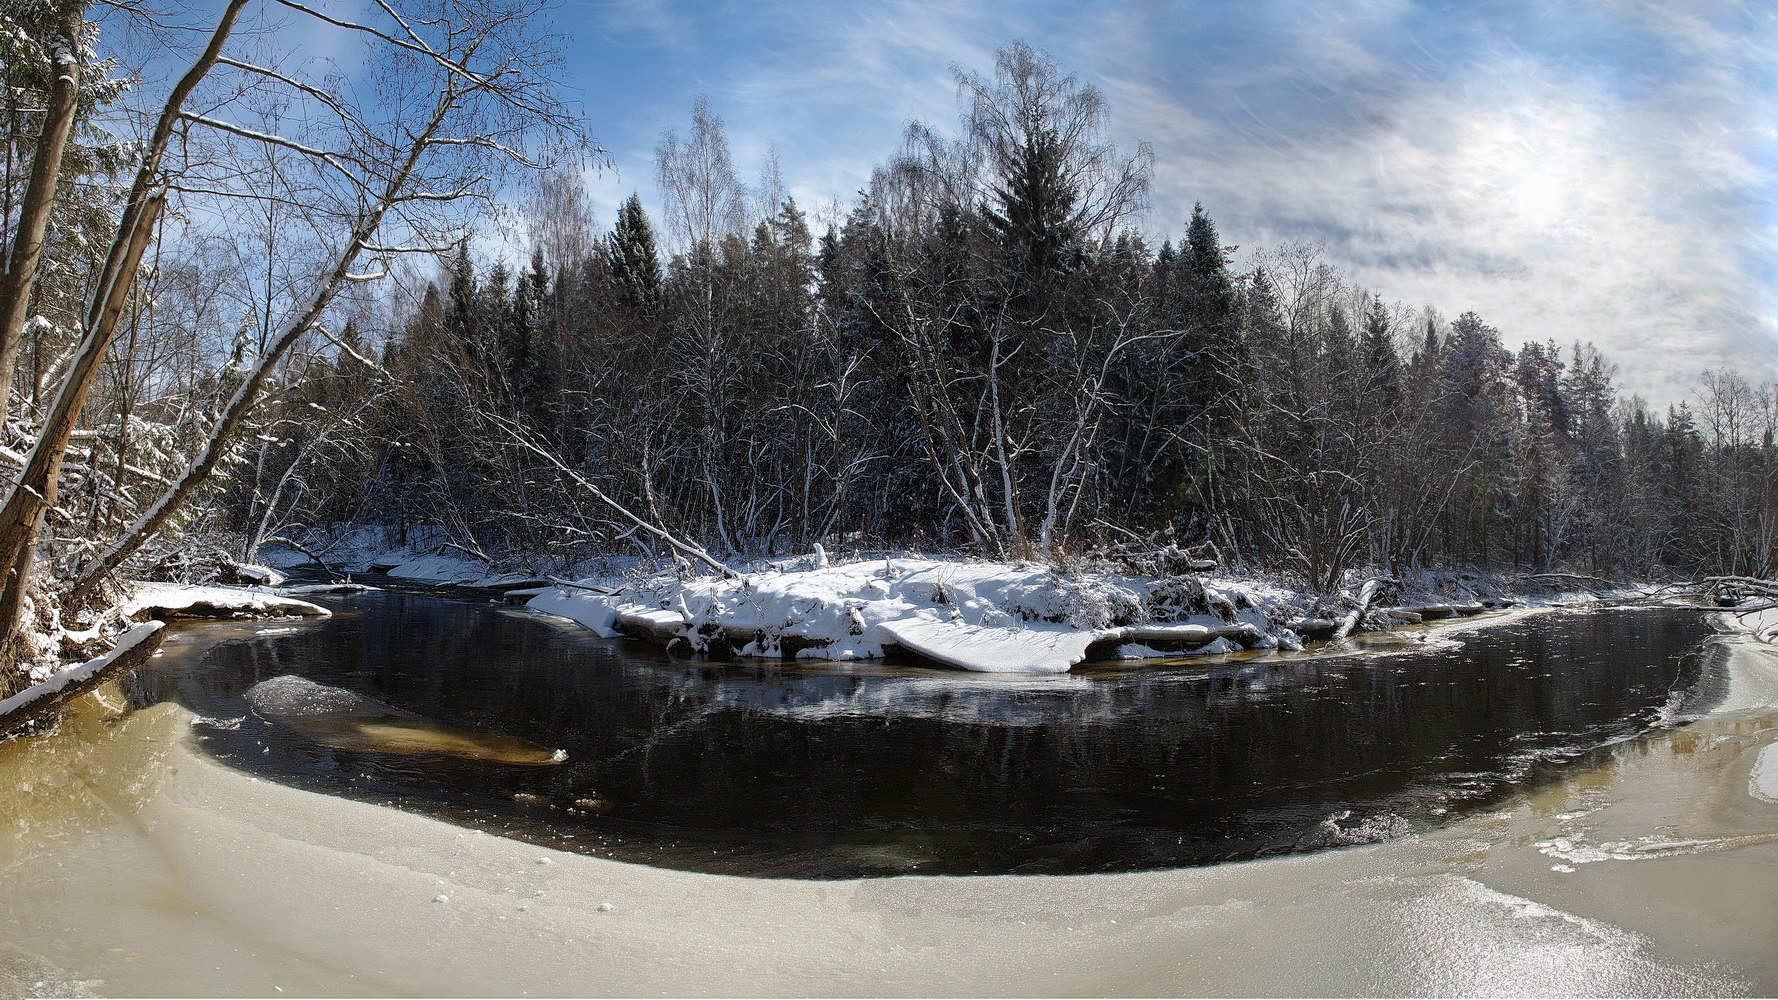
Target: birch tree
<point>459,95</point>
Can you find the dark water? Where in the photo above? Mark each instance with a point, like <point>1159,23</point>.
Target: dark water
<point>842,770</point>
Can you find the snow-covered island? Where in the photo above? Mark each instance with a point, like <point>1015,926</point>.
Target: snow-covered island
<point>968,614</point>
<point>981,616</point>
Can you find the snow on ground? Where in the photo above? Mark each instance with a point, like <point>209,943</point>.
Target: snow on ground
<point>977,616</point>
<point>1048,649</point>
<point>425,555</point>
<point>210,601</point>
<point>998,617</point>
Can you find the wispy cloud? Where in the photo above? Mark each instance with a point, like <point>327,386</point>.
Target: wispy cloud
<point>1588,171</point>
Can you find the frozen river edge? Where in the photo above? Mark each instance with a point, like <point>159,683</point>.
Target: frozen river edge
<point>162,872</point>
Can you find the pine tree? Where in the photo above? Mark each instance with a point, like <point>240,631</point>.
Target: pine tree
<point>1210,286</point>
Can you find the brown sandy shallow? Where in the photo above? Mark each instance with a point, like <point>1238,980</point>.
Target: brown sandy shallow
<point>131,864</point>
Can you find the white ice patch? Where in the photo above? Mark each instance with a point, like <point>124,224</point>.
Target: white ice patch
<point>1339,830</point>
<point>1137,651</point>
<point>1449,935</point>
<point>1217,648</point>
<point>1576,851</point>
<point>1763,783</point>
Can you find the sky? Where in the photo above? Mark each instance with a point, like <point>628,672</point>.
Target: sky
<point>1601,171</point>
<point>1597,171</point>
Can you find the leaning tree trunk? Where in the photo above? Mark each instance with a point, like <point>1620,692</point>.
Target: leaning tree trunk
<point>40,196</point>
<point>245,397</point>
<point>22,516</point>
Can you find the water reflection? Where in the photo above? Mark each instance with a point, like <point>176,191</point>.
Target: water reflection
<point>832,770</point>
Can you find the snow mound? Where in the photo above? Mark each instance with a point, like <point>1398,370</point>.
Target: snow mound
<point>595,611</point>
<point>1040,650</point>
<point>152,599</point>
<point>431,568</point>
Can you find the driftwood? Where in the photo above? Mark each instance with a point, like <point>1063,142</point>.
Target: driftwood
<point>1366,597</point>
<point>1730,591</point>
<point>132,650</point>
<point>1714,585</point>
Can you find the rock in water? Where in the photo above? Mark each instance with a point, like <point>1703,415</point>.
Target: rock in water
<point>338,718</point>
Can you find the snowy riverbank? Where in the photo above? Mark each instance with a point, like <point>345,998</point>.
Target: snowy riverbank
<point>992,616</point>
<point>128,632</point>
<point>973,615</point>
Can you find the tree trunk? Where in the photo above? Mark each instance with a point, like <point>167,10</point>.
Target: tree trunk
<point>242,402</point>
<point>34,494</point>
<point>22,518</point>
<point>39,200</point>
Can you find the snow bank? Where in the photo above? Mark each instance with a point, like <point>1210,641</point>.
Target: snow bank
<point>595,611</point>
<point>152,599</point>
<point>430,568</point>
<point>989,617</point>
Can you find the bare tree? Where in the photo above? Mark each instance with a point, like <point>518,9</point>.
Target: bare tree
<point>460,97</point>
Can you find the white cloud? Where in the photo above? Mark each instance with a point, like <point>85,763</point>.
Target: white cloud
<point>1600,173</point>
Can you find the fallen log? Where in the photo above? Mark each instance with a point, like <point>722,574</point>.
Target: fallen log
<point>132,650</point>
<point>314,556</point>
<point>1366,596</point>
<point>1570,576</point>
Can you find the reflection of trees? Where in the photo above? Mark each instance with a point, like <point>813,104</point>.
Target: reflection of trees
<point>797,754</point>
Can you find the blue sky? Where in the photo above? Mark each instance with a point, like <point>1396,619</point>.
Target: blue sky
<point>1600,171</point>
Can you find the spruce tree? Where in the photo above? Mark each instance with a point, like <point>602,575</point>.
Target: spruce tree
<point>1381,363</point>
<point>634,259</point>
<point>1210,287</point>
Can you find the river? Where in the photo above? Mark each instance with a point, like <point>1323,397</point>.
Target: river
<point>1526,782</point>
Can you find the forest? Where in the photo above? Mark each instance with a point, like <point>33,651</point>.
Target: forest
<point>985,355</point>
<point>255,306</point>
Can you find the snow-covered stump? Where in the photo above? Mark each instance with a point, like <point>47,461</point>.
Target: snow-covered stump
<point>132,650</point>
